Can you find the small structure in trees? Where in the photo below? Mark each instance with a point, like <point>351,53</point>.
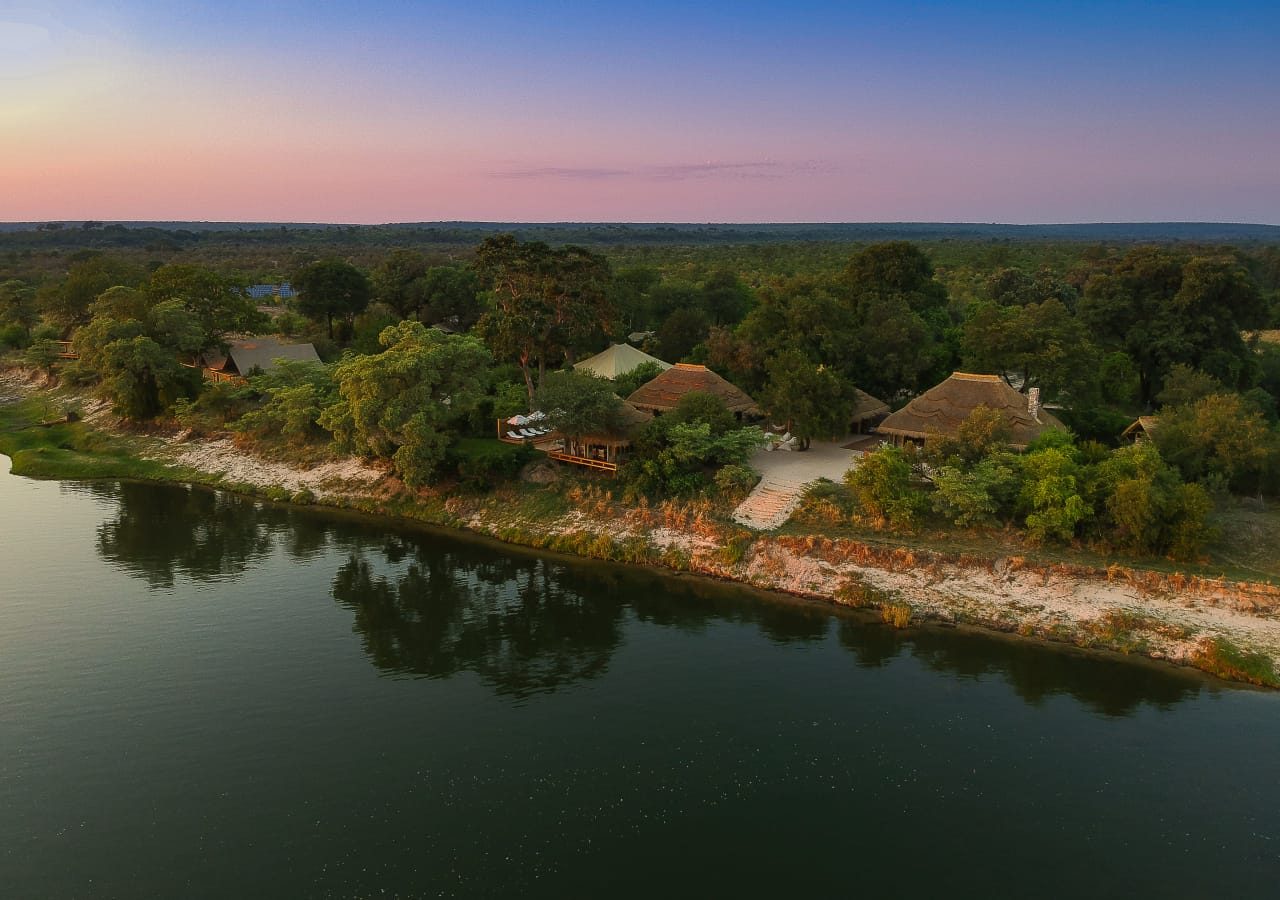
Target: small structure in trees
<point>664,392</point>
<point>1140,429</point>
<point>868,411</point>
<point>940,411</point>
<point>606,449</point>
<point>618,359</point>
<point>243,356</point>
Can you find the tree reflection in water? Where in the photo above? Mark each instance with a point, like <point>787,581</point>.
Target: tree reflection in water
<point>434,605</point>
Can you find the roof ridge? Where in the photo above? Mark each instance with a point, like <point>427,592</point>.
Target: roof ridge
<point>974,376</point>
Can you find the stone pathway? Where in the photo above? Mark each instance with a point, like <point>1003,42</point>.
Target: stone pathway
<point>784,475</point>
<point>770,504</point>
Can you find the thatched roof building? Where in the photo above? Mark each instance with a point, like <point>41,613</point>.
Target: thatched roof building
<point>664,392</point>
<point>619,359</point>
<point>1141,429</point>
<point>868,409</point>
<point>940,410</point>
<point>243,356</point>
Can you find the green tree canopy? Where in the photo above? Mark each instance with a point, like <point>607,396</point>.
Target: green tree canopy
<point>401,404</point>
<point>332,288</point>
<point>220,304</point>
<point>811,399</point>
<point>544,302</point>
<point>578,404</point>
<point>1163,308</point>
<point>67,303</point>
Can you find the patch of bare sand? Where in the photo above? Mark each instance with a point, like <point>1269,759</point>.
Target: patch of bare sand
<point>1172,625</point>
<point>222,457</point>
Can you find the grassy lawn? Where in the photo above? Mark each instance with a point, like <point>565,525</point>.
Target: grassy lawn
<point>72,451</point>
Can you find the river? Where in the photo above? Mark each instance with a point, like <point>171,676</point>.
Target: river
<point>201,695</point>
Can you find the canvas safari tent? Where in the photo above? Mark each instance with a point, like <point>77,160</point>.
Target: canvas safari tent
<point>618,359</point>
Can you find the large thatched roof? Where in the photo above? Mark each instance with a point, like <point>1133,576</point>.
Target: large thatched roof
<point>868,407</point>
<point>664,392</point>
<point>940,410</point>
<point>619,359</point>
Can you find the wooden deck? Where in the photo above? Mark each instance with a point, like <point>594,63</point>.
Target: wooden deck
<point>598,464</point>
<point>66,351</point>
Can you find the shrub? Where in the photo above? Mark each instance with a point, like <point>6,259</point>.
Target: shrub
<point>896,613</point>
<point>1222,658</point>
<point>482,463</point>
<point>882,486</point>
<point>734,481</point>
<point>14,336</point>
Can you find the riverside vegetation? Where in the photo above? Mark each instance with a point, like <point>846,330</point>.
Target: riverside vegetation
<point>400,417</point>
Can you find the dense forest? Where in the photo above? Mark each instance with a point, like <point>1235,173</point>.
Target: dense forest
<point>430,332</point>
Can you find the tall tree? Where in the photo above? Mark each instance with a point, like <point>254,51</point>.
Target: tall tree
<point>811,399</point>
<point>67,303</point>
<point>543,301</point>
<point>401,404</point>
<point>18,305</point>
<point>220,305</point>
<point>397,282</point>
<point>1162,308</point>
<point>1038,345</point>
<point>332,288</point>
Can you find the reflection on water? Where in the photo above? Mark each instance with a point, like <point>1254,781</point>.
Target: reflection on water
<point>433,606</point>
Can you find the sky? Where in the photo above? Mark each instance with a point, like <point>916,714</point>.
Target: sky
<point>382,111</point>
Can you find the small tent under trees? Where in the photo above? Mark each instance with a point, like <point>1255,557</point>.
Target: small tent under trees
<point>664,392</point>
<point>940,411</point>
<point>618,359</point>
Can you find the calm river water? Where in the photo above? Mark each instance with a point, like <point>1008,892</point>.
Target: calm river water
<point>205,696</point>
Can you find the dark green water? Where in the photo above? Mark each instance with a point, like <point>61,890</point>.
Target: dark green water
<point>201,696</point>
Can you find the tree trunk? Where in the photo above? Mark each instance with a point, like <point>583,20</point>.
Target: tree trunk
<point>528,382</point>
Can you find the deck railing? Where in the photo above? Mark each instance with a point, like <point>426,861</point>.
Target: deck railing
<point>66,351</point>
<point>600,464</point>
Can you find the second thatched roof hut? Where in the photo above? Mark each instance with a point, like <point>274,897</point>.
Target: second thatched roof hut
<point>939,411</point>
<point>664,392</point>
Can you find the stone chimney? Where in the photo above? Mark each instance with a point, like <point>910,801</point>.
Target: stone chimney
<point>1033,403</point>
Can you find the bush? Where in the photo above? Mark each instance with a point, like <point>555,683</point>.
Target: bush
<point>882,486</point>
<point>736,480</point>
<point>1224,659</point>
<point>482,463</point>
<point>14,336</point>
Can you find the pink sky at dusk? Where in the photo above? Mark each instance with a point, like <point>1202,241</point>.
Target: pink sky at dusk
<point>117,118</point>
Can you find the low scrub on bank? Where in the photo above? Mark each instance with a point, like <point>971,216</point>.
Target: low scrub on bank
<point>1220,657</point>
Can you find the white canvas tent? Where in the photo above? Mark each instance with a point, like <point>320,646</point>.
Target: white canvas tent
<point>619,359</point>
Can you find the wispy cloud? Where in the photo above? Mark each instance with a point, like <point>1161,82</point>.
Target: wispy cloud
<point>584,173</point>
<point>762,170</point>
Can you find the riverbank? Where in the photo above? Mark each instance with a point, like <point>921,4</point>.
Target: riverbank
<point>1225,626</point>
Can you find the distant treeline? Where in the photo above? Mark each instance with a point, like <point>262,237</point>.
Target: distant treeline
<point>176,235</point>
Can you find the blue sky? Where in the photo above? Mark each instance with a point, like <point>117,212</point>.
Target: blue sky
<point>658,111</point>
